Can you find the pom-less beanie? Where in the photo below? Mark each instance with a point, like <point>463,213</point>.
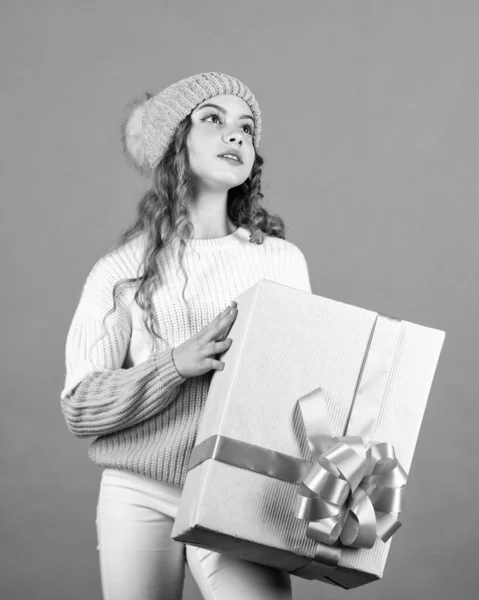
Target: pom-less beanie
<point>150,126</point>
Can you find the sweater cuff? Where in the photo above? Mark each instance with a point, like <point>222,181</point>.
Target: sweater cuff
<point>165,364</point>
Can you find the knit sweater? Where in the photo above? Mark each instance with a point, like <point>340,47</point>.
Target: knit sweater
<point>122,387</point>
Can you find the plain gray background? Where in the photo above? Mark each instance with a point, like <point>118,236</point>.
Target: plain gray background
<point>370,140</point>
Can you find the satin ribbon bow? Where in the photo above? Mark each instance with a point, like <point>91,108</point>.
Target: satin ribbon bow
<point>354,490</point>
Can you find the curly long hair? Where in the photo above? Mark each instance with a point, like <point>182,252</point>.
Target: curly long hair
<point>163,216</point>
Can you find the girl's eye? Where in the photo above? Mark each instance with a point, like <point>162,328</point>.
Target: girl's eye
<point>212,115</point>
<point>216,116</point>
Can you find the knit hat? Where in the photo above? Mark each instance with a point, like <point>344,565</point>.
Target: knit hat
<point>149,128</point>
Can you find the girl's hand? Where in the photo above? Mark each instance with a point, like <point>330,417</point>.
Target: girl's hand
<point>193,357</point>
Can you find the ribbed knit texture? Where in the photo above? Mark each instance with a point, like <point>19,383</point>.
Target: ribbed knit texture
<point>128,392</point>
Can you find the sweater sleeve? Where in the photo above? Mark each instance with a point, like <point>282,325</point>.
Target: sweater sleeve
<point>99,396</point>
<point>298,273</point>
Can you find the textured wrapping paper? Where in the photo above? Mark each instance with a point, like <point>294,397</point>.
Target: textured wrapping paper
<point>375,374</point>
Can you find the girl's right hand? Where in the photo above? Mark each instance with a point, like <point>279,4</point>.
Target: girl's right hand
<point>194,357</point>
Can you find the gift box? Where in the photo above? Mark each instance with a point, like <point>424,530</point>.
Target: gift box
<point>307,436</point>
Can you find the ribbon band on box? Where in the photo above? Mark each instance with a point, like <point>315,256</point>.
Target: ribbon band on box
<point>354,487</point>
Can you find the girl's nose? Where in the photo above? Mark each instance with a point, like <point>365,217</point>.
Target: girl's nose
<point>235,136</point>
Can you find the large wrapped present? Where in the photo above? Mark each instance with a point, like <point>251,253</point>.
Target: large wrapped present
<point>307,436</point>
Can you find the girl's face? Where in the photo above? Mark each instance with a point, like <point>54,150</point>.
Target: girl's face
<point>220,125</point>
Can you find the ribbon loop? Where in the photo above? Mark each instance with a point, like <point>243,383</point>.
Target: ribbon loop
<point>360,528</point>
<point>333,489</point>
<point>348,461</point>
<point>326,531</point>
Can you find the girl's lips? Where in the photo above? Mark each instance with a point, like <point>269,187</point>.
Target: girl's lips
<point>232,161</point>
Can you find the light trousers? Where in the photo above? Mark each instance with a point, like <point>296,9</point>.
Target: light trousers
<point>140,561</point>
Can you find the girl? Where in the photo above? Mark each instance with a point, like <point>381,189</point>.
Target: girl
<point>151,318</point>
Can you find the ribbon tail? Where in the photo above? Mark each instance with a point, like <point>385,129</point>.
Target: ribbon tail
<point>387,525</point>
<point>316,422</point>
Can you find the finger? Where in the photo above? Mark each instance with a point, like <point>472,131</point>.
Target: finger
<point>221,330</point>
<point>219,365</point>
<point>220,346</point>
<point>225,312</point>
<point>213,329</point>
<point>216,320</point>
